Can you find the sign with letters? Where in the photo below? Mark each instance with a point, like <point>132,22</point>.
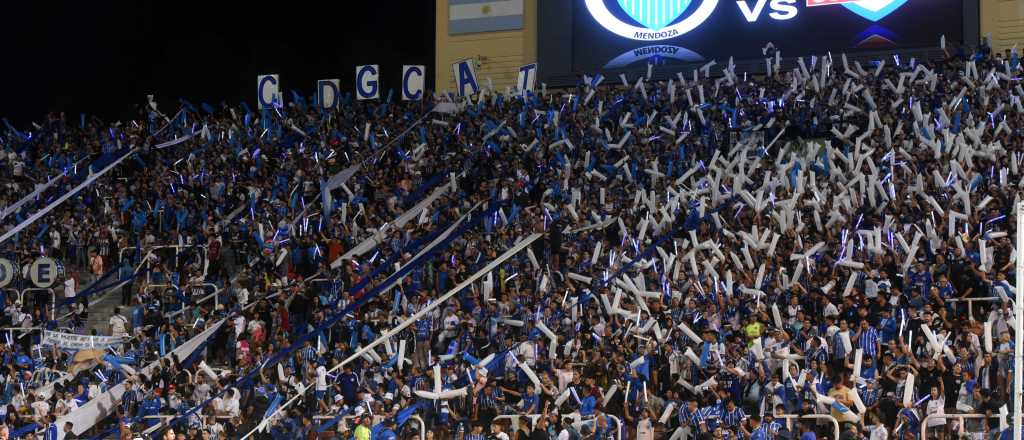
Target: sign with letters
<point>367,86</point>
<point>328,91</point>
<point>268,91</point>
<point>527,78</point>
<point>71,341</point>
<point>465,77</point>
<point>7,272</point>
<point>412,82</point>
<point>43,272</point>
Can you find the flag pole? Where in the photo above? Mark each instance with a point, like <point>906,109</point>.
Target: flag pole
<point>1018,311</point>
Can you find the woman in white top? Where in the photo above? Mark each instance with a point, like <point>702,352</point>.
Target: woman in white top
<point>936,407</point>
<point>644,427</point>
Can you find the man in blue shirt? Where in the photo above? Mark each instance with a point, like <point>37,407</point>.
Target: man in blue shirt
<point>388,432</point>
<point>349,383</point>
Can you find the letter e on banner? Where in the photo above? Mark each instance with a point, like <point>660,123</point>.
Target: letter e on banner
<point>6,273</point>
<point>465,77</point>
<point>268,91</point>
<point>43,272</point>
<point>366,82</point>
<point>412,82</point>
<point>327,91</point>
<point>527,78</point>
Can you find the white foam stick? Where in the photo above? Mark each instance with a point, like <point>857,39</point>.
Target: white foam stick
<point>678,434</point>
<point>776,315</point>
<point>857,360</point>
<point>374,355</point>
<point>983,250</point>
<point>437,378</point>
<point>666,413</point>
<point>846,262</point>
<point>533,259</point>
<point>849,284</point>
<point>691,356</point>
<point>689,333</point>
<point>845,337</point>
<point>547,331</point>
<point>858,403</point>
<point>213,376</point>
<point>931,337</point>
<point>824,400</point>
<point>908,391</point>
<point>512,322</point>
<point>562,398</point>
<point>530,374</point>
<point>757,349</point>
<point>209,372</point>
<point>607,305</point>
<point>609,394</point>
<point>706,385</point>
<point>988,336</point>
<point>597,253</point>
<point>401,354</point>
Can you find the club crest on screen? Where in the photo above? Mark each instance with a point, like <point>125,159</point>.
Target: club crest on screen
<point>658,19</point>
<point>655,14</point>
<point>874,10</point>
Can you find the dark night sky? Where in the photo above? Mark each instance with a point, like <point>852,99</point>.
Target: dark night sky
<point>102,58</point>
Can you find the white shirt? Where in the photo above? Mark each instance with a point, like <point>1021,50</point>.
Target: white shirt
<point>321,378</point>
<point>69,288</point>
<point>936,407</point>
<point>564,435</point>
<point>239,325</point>
<point>117,325</point>
<point>879,433</point>
<point>830,310</point>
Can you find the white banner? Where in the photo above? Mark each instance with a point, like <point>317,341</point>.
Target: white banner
<point>72,341</point>
<point>97,409</point>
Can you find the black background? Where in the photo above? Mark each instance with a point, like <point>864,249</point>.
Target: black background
<point>102,58</point>
<point>814,30</point>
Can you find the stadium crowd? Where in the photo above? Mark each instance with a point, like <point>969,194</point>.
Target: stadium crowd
<point>714,254</point>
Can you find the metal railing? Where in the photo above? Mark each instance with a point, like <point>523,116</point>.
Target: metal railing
<point>196,302</point>
<point>422,430</point>
<point>53,299</point>
<point>828,417</point>
<point>578,421</point>
<point>924,422</point>
<point>970,303</point>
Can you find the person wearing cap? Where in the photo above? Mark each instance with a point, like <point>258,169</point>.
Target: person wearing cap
<point>362,431</point>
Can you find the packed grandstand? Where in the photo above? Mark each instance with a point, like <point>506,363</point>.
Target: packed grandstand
<point>819,252</point>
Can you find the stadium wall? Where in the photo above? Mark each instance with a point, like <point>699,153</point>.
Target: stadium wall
<point>1004,21</point>
<point>498,54</point>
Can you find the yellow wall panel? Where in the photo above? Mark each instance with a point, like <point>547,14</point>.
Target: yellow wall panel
<point>498,54</point>
<point>1004,21</point>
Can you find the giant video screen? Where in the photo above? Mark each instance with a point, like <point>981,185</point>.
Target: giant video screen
<point>619,34</point>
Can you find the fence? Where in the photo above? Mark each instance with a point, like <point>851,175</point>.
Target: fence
<point>577,421</point>
<point>962,417</point>
<point>828,417</point>
<point>422,430</point>
<point>970,303</point>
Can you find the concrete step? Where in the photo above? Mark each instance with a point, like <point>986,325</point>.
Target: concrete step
<point>101,311</point>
